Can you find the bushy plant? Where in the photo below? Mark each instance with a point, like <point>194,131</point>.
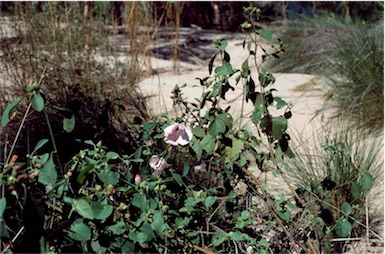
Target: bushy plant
<point>182,190</point>
<point>357,83</point>
<point>337,181</point>
<point>349,53</point>
<point>72,47</point>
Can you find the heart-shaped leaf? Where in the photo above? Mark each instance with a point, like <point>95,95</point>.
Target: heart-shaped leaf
<point>37,102</point>
<point>83,208</point>
<point>48,174</point>
<point>265,34</point>
<point>69,123</point>
<point>80,231</point>
<point>224,70</point>
<point>208,144</point>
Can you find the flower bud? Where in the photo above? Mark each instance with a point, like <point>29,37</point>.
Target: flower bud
<point>138,179</point>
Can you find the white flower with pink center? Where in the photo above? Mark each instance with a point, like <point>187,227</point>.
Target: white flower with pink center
<point>177,134</point>
<point>158,164</point>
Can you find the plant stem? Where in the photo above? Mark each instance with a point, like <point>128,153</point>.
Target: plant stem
<point>18,133</point>
<point>272,207</point>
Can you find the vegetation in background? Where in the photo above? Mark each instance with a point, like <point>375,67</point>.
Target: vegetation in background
<point>349,52</point>
<point>336,181</point>
<point>357,83</point>
<point>76,49</point>
<point>153,199</point>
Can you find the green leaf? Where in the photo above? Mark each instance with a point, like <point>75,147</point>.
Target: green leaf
<point>80,231</point>
<point>84,173</point>
<point>48,173</point>
<point>346,208</point>
<point>44,158</point>
<point>218,238</point>
<point>240,224</point>
<point>245,215</point>
<point>137,200</point>
<point>3,204</point>
<point>217,89</point>
<point>182,222</point>
<point>186,169</point>
<point>9,110</point>
<point>220,123</point>
<point>39,144</point>
<point>279,126</point>
<point>142,237</point>
<point>108,176</point>
<point>112,155</point>
<point>195,145</point>
<point>245,65</point>
<point>3,231</point>
<point>118,228</point>
<point>208,144</point>
<point>285,215</point>
<point>210,200</point>
<point>263,243</point>
<point>236,236</point>
<point>69,123</point>
<point>97,248</point>
<point>343,228</point>
<point>37,102</point>
<point>220,44</point>
<point>280,103</point>
<point>148,230</point>
<point>178,178</point>
<point>157,223</point>
<point>366,181</point>
<point>356,190</point>
<point>224,70</point>
<point>199,132</point>
<point>216,127</point>
<point>235,150</point>
<point>101,211</point>
<point>256,116</point>
<point>265,34</point>
<point>83,208</point>
<point>226,119</point>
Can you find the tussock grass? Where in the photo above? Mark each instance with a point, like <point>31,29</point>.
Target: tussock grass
<point>342,155</point>
<point>92,62</point>
<point>349,55</point>
<point>357,83</point>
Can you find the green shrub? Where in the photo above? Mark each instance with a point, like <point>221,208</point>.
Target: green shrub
<point>183,189</point>
<point>338,181</point>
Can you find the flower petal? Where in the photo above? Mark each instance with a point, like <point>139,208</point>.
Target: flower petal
<point>177,134</point>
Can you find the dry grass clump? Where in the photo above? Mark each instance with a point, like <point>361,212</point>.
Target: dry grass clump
<point>84,70</point>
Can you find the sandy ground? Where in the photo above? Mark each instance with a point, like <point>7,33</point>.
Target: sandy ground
<point>307,103</point>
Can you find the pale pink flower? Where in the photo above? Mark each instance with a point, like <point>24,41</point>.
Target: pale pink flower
<point>158,164</point>
<point>69,173</point>
<point>200,168</point>
<point>138,178</point>
<point>177,134</point>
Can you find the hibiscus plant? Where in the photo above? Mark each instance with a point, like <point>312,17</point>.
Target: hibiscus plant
<point>186,187</point>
